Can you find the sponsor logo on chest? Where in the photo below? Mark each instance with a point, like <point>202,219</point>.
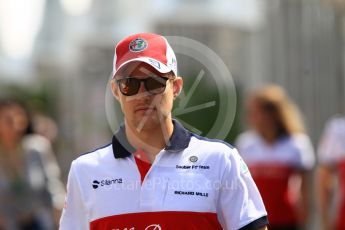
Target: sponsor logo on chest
<point>106,182</point>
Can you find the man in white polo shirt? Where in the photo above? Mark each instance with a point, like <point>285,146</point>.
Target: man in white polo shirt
<point>155,174</point>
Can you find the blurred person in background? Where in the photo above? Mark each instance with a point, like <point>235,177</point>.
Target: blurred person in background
<point>279,155</point>
<point>31,193</point>
<point>331,156</point>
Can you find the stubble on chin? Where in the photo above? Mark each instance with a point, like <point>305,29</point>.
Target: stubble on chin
<point>146,122</point>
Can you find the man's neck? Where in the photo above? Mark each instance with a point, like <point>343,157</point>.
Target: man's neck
<point>150,140</point>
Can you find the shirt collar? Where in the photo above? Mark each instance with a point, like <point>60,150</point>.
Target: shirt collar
<point>179,141</point>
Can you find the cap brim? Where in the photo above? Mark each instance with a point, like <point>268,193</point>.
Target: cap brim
<point>159,66</point>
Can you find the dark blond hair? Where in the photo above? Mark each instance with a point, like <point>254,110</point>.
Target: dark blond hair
<point>273,100</point>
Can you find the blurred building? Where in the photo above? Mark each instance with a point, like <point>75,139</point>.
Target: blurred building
<point>295,43</point>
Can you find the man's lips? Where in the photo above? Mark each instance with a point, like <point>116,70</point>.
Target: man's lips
<point>144,109</point>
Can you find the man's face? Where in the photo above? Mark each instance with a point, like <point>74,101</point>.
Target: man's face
<point>146,110</point>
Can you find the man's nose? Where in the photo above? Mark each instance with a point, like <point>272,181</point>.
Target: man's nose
<point>142,89</point>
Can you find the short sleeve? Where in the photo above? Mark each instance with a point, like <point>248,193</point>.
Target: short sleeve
<point>305,151</point>
<point>243,142</point>
<point>249,146</point>
<point>240,203</point>
<point>332,145</point>
<point>74,213</point>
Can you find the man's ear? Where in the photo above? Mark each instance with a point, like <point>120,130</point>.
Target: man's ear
<point>115,89</point>
<point>178,85</point>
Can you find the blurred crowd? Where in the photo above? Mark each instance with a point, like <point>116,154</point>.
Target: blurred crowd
<point>275,146</point>
<point>31,193</point>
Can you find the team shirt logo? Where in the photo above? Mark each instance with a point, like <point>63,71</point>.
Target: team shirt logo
<point>153,227</point>
<point>193,159</point>
<point>95,184</point>
<point>106,182</point>
<point>137,45</point>
<point>243,166</point>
